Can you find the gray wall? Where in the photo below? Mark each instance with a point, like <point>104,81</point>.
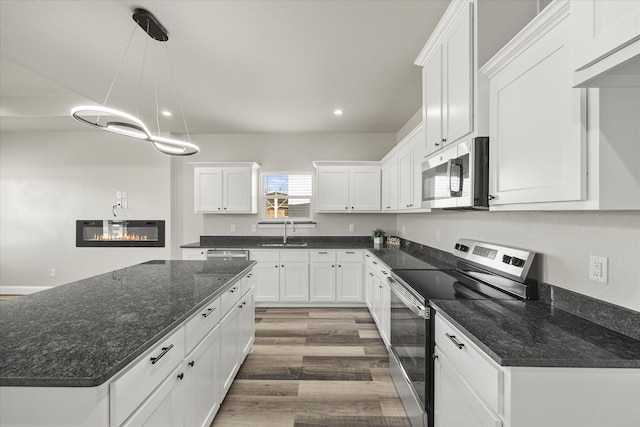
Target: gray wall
<point>48,180</point>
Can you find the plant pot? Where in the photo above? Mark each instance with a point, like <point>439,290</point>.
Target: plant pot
<point>378,241</point>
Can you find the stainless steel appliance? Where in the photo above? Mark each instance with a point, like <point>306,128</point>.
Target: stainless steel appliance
<point>483,271</point>
<point>228,253</point>
<point>457,177</point>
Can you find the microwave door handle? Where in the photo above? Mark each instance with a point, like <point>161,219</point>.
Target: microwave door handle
<point>454,169</point>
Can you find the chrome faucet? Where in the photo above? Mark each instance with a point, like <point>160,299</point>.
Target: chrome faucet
<point>293,228</point>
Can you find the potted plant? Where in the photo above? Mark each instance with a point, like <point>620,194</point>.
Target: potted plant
<point>378,236</point>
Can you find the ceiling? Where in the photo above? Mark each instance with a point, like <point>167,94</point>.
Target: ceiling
<point>234,66</point>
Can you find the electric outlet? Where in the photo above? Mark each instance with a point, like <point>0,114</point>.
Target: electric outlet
<point>437,235</point>
<point>125,204</point>
<point>254,228</point>
<point>124,195</point>
<point>598,268</point>
<point>52,272</point>
<point>404,229</point>
<point>352,227</point>
<point>233,228</point>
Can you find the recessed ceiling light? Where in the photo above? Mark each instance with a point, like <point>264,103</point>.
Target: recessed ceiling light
<point>166,113</point>
<point>337,112</point>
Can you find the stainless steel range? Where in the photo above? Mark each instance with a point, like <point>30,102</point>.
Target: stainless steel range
<point>483,271</point>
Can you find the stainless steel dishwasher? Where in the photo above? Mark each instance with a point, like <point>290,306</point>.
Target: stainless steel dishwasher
<point>228,253</point>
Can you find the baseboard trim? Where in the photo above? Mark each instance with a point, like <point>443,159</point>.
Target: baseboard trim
<point>22,290</point>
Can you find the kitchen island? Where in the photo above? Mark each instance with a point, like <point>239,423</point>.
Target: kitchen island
<point>66,349</point>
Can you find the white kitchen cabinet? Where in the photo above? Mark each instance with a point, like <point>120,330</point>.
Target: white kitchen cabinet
<point>410,171</point>
<point>267,274</point>
<point>471,389</point>
<point>194,254</point>
<point>247,324</point>
<point>389,177</point>
<point>294,275</point>
<point>322,275</point>
<point>378,296</point>
<point>348,186</point>
<point>349,282</point>
<point>454,93</point>
<point>202,381</point>
<point>538,138</point>
<point>606,40</point>
<point>226,187</point>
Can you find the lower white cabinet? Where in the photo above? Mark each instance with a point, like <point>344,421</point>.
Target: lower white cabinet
<point>471,389</point>
<point>194,254</point>
<point>267,274</point>
<point>378,296</point>
<point>294,275</point>
<point>322,276</point>
<point>349,284</point>
<point>201,381</point>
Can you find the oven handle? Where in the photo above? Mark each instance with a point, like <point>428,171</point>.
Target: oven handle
<point>418,310</point>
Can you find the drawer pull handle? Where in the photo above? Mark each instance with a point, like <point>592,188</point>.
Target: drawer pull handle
<point>323,253</point>
<point>209,311</point>
<point>348,252</point>
<point>232,290</point>
<point>165,350</point>
<point>453,339</point>
<point>375,263</point>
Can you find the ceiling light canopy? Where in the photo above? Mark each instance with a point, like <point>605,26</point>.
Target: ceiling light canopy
<point>122,123</point>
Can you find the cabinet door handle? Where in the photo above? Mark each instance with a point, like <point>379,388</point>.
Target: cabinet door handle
<point>180,376</point>
<point>453,339</point>
<point>165,350</point>
<point>192,363</point>
<point>232,290</point>
<point>349,252</point>
<point>209,311</point>
<point>323,253</point>
<point>491,197</point>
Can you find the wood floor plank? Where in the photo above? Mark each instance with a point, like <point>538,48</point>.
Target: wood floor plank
<point>314,367</point>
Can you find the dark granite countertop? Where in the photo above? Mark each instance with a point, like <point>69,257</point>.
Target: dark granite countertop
<point>533,333</point>
<point>83,333</point>
<point>256,242</point>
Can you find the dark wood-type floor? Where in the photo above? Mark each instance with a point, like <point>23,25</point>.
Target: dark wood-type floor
<point>314,367</point>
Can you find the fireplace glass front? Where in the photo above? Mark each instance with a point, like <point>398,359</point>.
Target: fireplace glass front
<point>124,233</point>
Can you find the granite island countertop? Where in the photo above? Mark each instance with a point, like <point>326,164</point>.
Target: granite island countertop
<point>535,334</point>
<point>83,333</point>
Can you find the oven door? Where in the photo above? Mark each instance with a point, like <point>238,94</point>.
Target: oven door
<point>410,337</point>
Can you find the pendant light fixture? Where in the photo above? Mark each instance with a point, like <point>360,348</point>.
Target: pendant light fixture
<point>122,123</point>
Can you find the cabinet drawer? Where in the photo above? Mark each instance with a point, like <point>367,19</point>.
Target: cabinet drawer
<point>322,256</point>
<point>248,281</point>
<point>484,377</point>
<point>201,323</point>
<point>294,256</point>
<point>230,298</point>
<point>142,377</point>
<point>349,256</point>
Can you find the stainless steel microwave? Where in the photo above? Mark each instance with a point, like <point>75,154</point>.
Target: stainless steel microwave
<point>457,177</point>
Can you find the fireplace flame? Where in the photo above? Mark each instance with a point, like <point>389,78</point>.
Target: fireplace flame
<point>125,236</point>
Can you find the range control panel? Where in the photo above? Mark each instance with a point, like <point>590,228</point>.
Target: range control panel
<point>511,261</point>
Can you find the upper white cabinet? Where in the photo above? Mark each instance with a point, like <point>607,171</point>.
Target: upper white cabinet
<point>606,37</point>
<point>552,146</point>
<point>226,187</point>
<point>454,93</point>
<point>389,184</point>
<point>348,186</point>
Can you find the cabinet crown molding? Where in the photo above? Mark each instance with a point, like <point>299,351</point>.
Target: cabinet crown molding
<point>550,16</point>
<point>441,29</point>
<point>224,164</point>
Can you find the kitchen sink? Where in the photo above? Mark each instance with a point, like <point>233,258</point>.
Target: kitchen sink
<point>284,245</point>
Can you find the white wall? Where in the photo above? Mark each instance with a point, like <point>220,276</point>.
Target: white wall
<point>51,179</point>
<point>275,153</point>
<point>565,240</point>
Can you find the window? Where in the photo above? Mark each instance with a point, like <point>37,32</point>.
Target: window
<point>285,196</point>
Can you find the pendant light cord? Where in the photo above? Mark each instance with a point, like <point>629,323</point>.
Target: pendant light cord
<point>119,67</point>
<point>173,76</point>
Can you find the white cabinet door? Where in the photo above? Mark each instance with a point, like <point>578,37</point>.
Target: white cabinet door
<point>202,381</point>
<point>333,189</point>
<point>294,281</point>
<point>538,124</point>
<point>349,281</point>
<point>208,189</point>
<point>164,407</point>
<point>389,177</point>
<point>364,188</point>
<point>229,348</point>
<point>606,35</point>
<point>247,324</point>
<point>455,403</point>
<point>237,190</point>
<point>369,288</point>
<point>432,100</point>
<point>322,281</point>
<point>385,313</point>
<point>405,188</point>
<point>267,275</point>
<point>457,82</point>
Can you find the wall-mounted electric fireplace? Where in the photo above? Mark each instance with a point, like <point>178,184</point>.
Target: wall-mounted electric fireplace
<point>123,233</point>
